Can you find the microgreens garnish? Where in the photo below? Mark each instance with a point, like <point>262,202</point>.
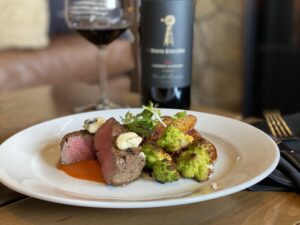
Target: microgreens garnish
<point>155,111</point>
<point>144,123</point>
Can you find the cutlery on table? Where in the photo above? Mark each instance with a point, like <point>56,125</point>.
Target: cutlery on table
<point>281,132</point>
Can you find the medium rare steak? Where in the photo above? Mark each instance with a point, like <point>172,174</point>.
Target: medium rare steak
<point>118,167</point>
<point>76,147</point>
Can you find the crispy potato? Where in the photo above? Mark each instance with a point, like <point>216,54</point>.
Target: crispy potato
<point>195,134</point>
<point>159,129</point>
<point>185,123</point>
<point>167,120</point>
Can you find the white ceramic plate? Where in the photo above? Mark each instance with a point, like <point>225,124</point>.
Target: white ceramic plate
<point>28,165</point>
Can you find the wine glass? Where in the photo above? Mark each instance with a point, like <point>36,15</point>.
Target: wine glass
<point>100,22</point>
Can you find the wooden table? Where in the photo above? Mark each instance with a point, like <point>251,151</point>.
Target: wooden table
<point>21,109</point>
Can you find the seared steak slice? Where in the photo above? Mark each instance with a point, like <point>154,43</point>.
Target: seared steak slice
<point>77,146</point>
<point>118,167</point>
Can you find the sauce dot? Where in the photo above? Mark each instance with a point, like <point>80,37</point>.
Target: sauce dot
<point>85,170</point>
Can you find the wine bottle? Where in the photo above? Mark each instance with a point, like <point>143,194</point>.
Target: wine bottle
<point>166,32</point>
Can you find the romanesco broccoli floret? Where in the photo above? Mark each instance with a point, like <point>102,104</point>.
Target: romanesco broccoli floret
<point>173,139</point>
<point>194,163</point>
<point>165,171</point>
<point>154,154</point>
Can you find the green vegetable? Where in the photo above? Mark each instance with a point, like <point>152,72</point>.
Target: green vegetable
<point>165,171</point>
<point>194,162</point>
<point>155,111</point>
<point>144,122</point>
<point>173,139</point>
<point>179,115</point>
<point>154,154</point>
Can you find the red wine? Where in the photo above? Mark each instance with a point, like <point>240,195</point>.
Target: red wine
<point>101,36</point>
<point>166,30</point>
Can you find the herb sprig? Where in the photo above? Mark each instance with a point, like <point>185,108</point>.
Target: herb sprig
<point>144,122</point>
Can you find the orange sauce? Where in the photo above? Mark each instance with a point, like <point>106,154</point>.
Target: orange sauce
<point>85,170</point>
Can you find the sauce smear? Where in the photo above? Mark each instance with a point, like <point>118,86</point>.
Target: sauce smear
<point>85,170</point>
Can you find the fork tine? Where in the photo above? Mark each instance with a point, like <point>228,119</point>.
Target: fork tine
<point>284,125</point>
<point>280,127</point>
<point>270,123</point>
<point>277,125</point>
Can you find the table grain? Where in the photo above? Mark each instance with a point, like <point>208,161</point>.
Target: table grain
<point>243,208</point>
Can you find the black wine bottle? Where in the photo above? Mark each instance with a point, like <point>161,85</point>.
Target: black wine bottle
<point>166,32</point>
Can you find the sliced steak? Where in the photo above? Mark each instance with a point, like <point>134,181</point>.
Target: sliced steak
<point>118,167</point>
<point>76,147</point>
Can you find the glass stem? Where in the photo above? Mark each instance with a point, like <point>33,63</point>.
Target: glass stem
<point>102,75</point>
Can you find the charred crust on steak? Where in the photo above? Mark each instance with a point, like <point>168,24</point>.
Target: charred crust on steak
<point>129,150</point>
<point>118,167</point>
<point>72,134</point>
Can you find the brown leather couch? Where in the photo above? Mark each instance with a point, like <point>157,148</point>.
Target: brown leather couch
<point>69,58</point>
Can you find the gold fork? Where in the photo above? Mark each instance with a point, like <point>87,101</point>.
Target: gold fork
<point>278,127</point>
<point>281,132</point>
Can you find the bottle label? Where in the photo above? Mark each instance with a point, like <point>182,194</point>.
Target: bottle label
<point>166,42</point>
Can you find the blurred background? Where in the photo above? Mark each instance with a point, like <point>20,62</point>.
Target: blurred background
<point>37,48</point>
<point>246,53</point>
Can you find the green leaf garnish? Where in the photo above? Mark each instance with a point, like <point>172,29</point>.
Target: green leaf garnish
<point>155,111</point>
<point>144,122</point>
<point>179,115</point>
